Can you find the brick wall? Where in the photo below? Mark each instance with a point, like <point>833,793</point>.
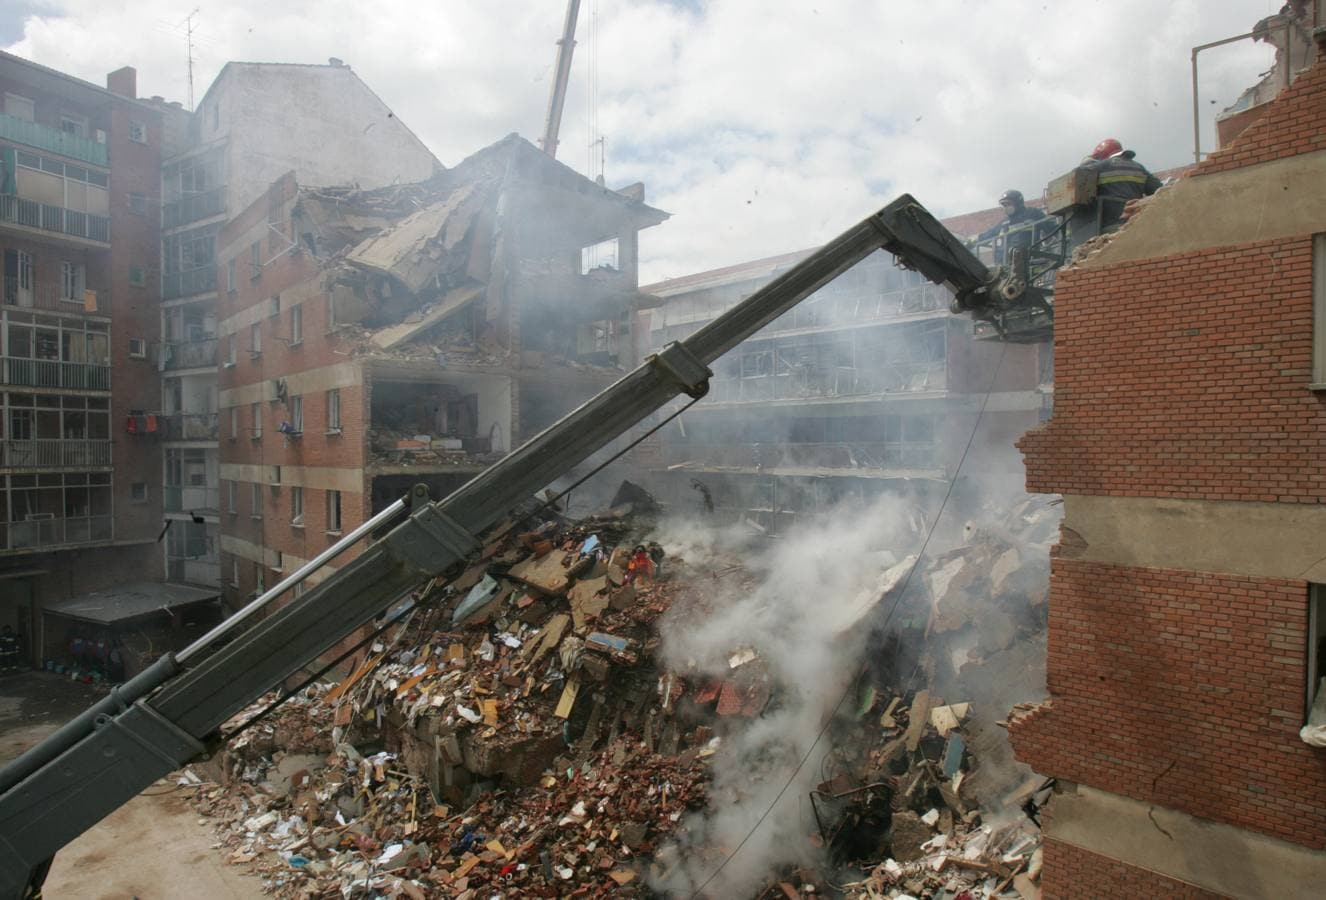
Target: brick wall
<point>1184,689</point>
<point>1295,123</point>
<point>1186,376</point>
<point>1071,873</point>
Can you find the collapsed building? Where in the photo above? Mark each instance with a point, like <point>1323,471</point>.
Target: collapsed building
<point>530,726</point>
<point>376,339</point>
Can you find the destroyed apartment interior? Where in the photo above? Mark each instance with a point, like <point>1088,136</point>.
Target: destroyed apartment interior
<point>383,517</point>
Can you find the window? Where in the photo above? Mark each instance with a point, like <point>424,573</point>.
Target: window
<point>1316,642</point>
<point>296,324</point>
<point>334,511</point>
<point>297,413</point>
<point>19,107</point>
<point>137,132</point>
<point>137,348</point>
<point>72,123</point>
<point>280,562</point>
<point>256,511</point>
<point>259,585</point>
<point>137,276</point>
<point>297,506</point>
<point>72,278</point>
<point>300,588</point>
<point>232,496</point>
<point>230,349</point>
<point>255,338</point>
<point>255,414</point>
<point>138,204</point>
<point>138,492</point>
<point>276,474</point>
<point>599,256</point>
<point>334,411</point>
<point>255,260</point>
<point>1319,312</point>
<point>230,275</point>
<point>234,422</point>
<point>234,572</point>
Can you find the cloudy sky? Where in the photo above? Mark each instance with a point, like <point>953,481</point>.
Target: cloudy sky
<point>762,126</point>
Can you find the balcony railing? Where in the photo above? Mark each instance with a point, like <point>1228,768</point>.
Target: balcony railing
<point>831,383</point>
<point>194,207</point>
<point>54,218</point>
<point>187,354</point>
<point>43,137</point>
<point>182,284</point>
<point>205,570</point>
<point>48,295</point>
<point>39,533</point>
<point>182,498</point>
<point>50,373</point>
<point>833,455</point>
<point>192,427</point>
<point>55,453</point>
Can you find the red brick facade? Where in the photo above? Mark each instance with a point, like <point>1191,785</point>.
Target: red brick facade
<point>1072,873</point>
<point>1186,376</point>
<point>1183,689</point>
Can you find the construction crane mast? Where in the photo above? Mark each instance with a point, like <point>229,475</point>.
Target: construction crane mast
<point>557,98</point>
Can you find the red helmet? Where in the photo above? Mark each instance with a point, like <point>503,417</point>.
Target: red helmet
<point>1107,148</point>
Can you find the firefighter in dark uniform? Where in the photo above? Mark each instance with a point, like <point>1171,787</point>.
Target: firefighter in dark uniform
<point>1016,212</point>
<point>1119,179</point>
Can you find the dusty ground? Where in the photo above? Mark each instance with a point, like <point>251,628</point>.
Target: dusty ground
<point>153,847</point>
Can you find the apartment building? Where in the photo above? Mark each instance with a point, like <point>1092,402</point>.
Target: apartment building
<point>79,234</point>
<point>870,385</point>
<point>1187,622</point>
<point>256,122</point>
<point>372,340</point>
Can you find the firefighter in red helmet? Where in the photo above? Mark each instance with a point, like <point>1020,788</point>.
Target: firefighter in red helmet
<point>1119,178</point>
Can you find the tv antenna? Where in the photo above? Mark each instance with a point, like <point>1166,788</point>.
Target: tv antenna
<point>188,23</point>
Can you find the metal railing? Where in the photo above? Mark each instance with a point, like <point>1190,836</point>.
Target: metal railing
<point>193,207</point>
<point>32,214</point>
<point>829,383</point>
<point>192,427</point>
<point>48,295</point>
<point>55,453</point>
<point>181,498</point>
<point>187,354</point>
<point>32,534</point>
<point>194,281</point>
<point>43,137</point>
<point>829,455</point>
<point>50,373</point>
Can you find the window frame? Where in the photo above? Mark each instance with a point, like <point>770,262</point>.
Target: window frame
<point>334,411</point>
<point>255,501</point>
<point>335,520</point>
<point>296,324</point>
<point>297,506</point>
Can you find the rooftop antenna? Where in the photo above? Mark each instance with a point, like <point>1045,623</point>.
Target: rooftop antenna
<point>188,22</point>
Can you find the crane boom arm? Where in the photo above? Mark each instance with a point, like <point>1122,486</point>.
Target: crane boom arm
<point>552,125</point>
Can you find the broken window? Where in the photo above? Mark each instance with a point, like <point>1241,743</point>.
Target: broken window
<point>297,413</point>
<point>334,511</point>
<point>334,410</point>
<point>1319,311</point>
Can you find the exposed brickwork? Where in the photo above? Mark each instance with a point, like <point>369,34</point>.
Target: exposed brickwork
<point>1071,873</point>
<point>1181,688</point>
<point>1186,376</point>
<point>1295,123</point>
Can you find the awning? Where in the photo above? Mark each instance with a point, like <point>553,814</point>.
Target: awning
<point>131,601</point>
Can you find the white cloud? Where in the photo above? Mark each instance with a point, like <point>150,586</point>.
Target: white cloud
<point>763,127</point>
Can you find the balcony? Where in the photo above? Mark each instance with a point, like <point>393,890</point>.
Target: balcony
<point>50,296</point>
<point>184,284</point>
<point>194,207</point>
<point>185,498</point>
<point>827,383</point>
<point>50,373</point>
<point>192,427</point>
<point>55,454</point>
<point>42,137</point>
<point>57,219</point>
<point>187,354</point>
<point>779,458</point>
<point>204,570</point>
<point>49,533</point>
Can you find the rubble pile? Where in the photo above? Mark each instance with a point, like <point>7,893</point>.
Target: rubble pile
<point>516,734</point>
